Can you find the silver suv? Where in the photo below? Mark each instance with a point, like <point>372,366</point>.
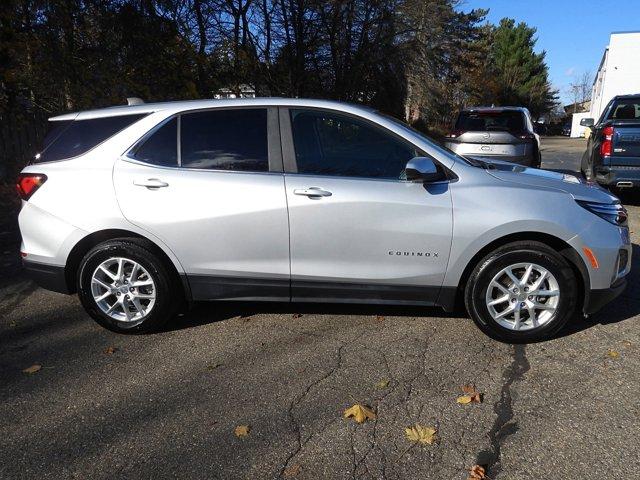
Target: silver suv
<point>496,133</point>
<point>144,209</point>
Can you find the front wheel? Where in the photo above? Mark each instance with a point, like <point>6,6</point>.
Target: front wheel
<point>521,292</point>
<point>125,287</point>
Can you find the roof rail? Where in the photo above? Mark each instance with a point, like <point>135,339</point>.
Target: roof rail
<point>134,101</point>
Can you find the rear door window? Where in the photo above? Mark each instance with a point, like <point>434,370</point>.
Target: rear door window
<point>491,120</point>
<point>234,140</point>
<point>72,138</point>
<point>161,147</point>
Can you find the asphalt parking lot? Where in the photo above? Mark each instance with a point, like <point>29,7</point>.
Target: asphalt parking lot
<point>166,405</point>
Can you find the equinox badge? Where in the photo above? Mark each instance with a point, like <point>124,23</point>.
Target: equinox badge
<point>413,254</point>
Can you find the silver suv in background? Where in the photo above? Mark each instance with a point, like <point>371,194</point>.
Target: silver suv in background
<point>143,209</point>
<point>496,133</point>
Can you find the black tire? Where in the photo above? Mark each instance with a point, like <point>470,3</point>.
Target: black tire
<point>586,168</point>
<point>142,252</point>
<point>537,159</point>
<point>510,254</point>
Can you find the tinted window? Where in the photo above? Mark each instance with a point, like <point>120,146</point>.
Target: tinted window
<point>327,143</point>
<point>80,136</point>
<point>491,120</point>
<point>625,110</point>
<point>54,131</point>
<point>225,140</point>
<point>161,148</point>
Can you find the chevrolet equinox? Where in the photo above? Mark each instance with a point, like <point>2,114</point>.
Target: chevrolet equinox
<point>143,209</point>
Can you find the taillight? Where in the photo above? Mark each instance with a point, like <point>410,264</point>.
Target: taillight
<point>454,134</point>
<point>607,140</point>
<point>28,183</point>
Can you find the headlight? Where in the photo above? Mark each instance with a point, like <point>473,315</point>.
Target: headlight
<point>612,212</point>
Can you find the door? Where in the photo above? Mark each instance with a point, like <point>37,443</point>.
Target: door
<point>216,198</point>
<point>359,232</point>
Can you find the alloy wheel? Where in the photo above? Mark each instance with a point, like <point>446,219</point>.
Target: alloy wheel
<point>523,296</point>
<point>123,290</point>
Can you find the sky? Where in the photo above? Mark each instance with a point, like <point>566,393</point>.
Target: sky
<point>574,33</point>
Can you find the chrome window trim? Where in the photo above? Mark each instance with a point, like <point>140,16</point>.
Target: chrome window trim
<point>128,159</point>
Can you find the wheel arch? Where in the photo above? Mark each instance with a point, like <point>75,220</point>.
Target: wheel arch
<point>81,248</point>
<point>450,297</point>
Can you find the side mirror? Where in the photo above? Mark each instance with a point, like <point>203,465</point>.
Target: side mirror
<point>423,169</point>
<point>587,122</point>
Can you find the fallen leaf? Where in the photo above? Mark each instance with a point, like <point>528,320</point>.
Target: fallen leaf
<point>296,315</point>
<point>380,318</point>
<point>32,369</point>
<point>471,395</point>
<point>213,366</point>
<point>292,471</point>
<point>360,413</point>
<point>627,343</point>
<point>110,350</point>
<point>613,354</point>
<point>242,430</point>
<point>477,472</point>
<point>468,389</point>
<point>384,383</point>
<point>420,434</point>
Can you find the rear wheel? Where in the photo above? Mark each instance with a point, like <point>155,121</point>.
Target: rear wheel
<point>125,287</point>
<point>521,292</point>
<point>587,168</point>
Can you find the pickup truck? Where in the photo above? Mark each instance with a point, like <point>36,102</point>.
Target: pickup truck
<point>612,157</point>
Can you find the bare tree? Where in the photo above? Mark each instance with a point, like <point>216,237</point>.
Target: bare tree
<point>580,89</point>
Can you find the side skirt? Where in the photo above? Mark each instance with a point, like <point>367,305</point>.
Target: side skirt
<point>207,287</point>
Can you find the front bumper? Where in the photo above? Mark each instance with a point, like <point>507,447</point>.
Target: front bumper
<point>49,277</point>
<point>596,299</point>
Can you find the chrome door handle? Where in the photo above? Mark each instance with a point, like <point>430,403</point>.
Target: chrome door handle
<point>150,183</point>
<point>312,192</point>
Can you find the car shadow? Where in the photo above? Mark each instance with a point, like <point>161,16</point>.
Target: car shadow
<point>629,196</point>
<point>204,313</point>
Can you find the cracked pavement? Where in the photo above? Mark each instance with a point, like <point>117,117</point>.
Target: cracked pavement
<point>166,405</point>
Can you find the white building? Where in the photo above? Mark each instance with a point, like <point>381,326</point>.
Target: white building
<point>619,71</point>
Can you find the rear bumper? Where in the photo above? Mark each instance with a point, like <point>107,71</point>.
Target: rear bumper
<point>520,153</point>
<point>596,299</point>
<point>49,277</point>
<point>612,175</point>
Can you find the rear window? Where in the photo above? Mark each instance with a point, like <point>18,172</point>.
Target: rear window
<point>491,120</point>
<point>69,139</point>
<point>625,110</point>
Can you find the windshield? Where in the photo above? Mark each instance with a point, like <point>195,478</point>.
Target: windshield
<point>433,143</point>
<point>490,120</point>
